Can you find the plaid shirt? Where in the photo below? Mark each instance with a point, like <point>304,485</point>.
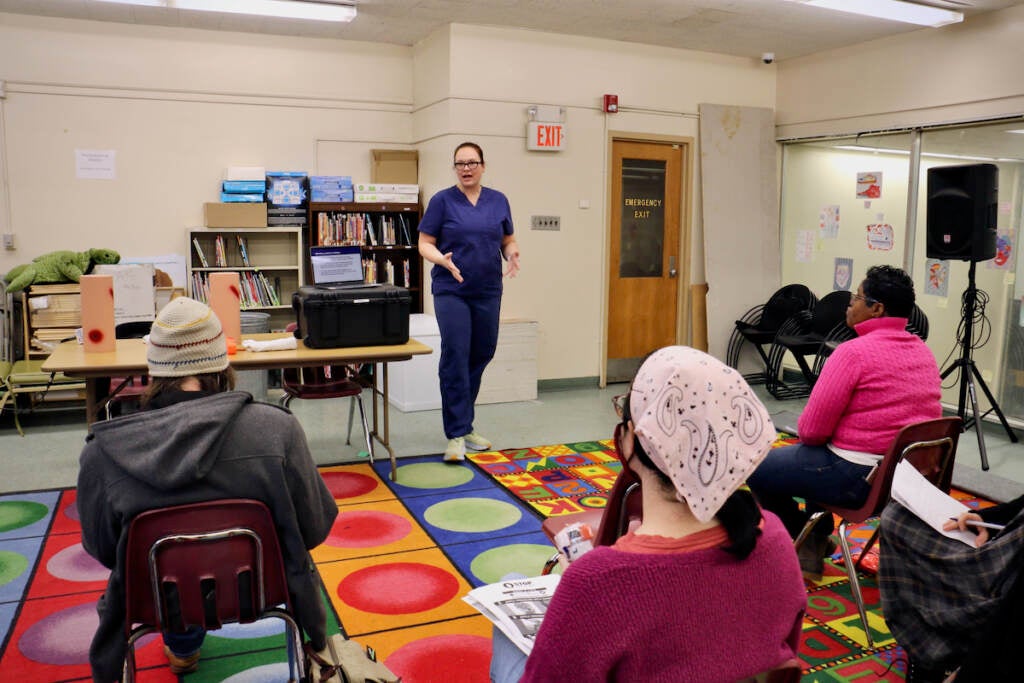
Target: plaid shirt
<point>938,593</point>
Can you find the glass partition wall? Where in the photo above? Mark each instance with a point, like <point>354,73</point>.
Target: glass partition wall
<point>846,204</point>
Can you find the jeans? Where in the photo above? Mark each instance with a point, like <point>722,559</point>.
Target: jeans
<point>185,644</point>
<point>507,661</point>
<point>811,472</point>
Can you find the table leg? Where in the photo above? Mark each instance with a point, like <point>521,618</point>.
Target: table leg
<point>384,440</point>
<point>95,388</point>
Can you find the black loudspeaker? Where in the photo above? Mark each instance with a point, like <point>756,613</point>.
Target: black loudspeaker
<point>962,202</point>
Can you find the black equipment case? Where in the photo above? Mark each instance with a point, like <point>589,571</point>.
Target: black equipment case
<point>357,316</point>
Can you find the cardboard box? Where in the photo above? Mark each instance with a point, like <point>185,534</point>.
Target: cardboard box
<point>388,188</point>
<point>386,198</point>
<point>240,215</point>
<point>395,166</point>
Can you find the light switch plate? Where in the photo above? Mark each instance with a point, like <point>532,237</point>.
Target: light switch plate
<point>545,223</point>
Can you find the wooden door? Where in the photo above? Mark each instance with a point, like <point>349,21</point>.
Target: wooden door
<point>644,259</point>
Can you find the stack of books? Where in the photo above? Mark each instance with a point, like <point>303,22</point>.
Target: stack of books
<point>331,188</point>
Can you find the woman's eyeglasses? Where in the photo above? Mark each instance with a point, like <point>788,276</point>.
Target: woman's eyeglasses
<point>868,301</point>
<point>470,165</point>
<point>619,404</point>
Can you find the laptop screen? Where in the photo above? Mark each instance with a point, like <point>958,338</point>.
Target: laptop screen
<point>339,265</point>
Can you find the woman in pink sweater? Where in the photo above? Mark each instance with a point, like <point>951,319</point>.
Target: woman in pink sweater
<point>870,388</point>
<point>706,588</point>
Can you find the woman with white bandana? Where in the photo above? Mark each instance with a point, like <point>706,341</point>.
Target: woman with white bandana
<point>708,587</point>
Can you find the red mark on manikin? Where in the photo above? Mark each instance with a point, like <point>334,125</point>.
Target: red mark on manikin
<point>111,292</point>
<point>95,336</point>
<point>235,292</point>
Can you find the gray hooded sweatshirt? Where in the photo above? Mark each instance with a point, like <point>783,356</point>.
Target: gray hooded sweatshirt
<point>217,446</point>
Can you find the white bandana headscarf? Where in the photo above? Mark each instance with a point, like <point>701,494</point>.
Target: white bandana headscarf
<point>700,424</point>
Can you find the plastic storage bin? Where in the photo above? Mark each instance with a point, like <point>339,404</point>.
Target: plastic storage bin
<point>253,381</point>
<point>413,384</point>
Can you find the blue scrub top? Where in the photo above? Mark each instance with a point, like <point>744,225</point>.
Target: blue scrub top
<point>473,234</point>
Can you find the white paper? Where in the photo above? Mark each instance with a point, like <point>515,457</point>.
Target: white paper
<point>516,607</point>
<point>911,490</point>
<point>134,296</point>
<point>96,164</point>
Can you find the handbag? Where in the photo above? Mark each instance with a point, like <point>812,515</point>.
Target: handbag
<point>345,661</point>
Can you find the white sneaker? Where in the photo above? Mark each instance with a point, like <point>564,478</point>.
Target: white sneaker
<point>456,450</point>
<point>477,442</point>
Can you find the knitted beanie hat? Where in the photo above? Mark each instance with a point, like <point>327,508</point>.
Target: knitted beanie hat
<point>701,425</point>
<point>186,339</point>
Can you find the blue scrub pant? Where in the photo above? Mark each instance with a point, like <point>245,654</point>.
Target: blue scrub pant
<point>469,336</point>
<point>807,472</point>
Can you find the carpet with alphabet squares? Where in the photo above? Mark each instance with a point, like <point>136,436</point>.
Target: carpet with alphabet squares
<point>395,566</point>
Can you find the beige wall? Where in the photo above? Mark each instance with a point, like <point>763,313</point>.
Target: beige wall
<point>178,105</point>
<point>954,73</point>
<point>495,74</point>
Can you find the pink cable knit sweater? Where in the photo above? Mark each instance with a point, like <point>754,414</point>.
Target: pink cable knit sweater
<point>700,616</point>
<point>871,387</point>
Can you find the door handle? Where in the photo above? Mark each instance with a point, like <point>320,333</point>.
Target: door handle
<point>672,272</point>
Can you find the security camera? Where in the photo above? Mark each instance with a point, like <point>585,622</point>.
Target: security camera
<point>768,57</point>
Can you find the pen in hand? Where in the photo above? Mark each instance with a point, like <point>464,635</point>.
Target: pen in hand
<point>984,525</point>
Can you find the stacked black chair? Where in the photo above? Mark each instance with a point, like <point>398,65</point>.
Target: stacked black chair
<point>761,323</point>
<point>803,335</point>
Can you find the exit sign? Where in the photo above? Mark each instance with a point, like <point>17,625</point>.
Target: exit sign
<point>545,136</point>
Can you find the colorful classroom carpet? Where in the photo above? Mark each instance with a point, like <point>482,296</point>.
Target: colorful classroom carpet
<point>395,566</point>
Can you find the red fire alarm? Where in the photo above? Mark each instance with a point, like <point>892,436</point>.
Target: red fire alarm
<point>611,104</point>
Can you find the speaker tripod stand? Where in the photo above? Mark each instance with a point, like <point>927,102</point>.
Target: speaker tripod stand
<point>969,374</point>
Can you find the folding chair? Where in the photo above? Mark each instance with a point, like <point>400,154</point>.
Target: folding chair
<point>625,506</point>
<point>329,381</point>
<point>931,447</point>
<point>26,377</point>
<point>204,565</point>
<point>759,325</point>
<point>802,335</point>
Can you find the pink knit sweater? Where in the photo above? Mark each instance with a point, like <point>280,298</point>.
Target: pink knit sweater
<point>871,387</point>
<point>691,616</point>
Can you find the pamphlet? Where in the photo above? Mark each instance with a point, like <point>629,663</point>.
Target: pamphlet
<point>911,490</point>
<point>516,606</point>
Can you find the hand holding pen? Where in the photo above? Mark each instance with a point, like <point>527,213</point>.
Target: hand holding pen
<point>977,524</point>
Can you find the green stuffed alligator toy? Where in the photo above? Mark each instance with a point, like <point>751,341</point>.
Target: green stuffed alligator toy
<point>57,266</point>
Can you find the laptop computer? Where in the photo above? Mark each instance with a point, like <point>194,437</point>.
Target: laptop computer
<point>337,267</point>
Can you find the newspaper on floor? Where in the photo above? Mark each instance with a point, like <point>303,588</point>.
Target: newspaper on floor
<point>911,490</point>
<point>516,606</point>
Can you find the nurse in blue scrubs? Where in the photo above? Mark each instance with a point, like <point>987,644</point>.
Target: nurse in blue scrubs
<point>466,232</point>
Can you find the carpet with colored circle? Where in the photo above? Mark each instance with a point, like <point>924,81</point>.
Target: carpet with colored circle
<point>395,566</point>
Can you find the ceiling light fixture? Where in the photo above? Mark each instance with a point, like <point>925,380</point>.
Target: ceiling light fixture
<point>894,10</point>
<point>289,9</point>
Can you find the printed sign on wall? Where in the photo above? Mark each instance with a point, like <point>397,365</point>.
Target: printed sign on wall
<point>869,185</point>
<point>843,276</point>
<point>828,222</point>
<point>936,280</point>
<point>880,237</point>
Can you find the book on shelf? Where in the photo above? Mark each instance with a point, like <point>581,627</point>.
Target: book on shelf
<point>220,256</point>
<point>200,253</point>
<point>243,250</point>
<point>405,231</point>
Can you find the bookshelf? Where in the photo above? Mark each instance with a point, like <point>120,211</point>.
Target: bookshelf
<point>387,233</point>
<point>269,263</point>
<point>50,313</point>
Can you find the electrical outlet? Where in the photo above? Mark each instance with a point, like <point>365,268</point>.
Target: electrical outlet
<point>8,240</point>
<point>545,223</point>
